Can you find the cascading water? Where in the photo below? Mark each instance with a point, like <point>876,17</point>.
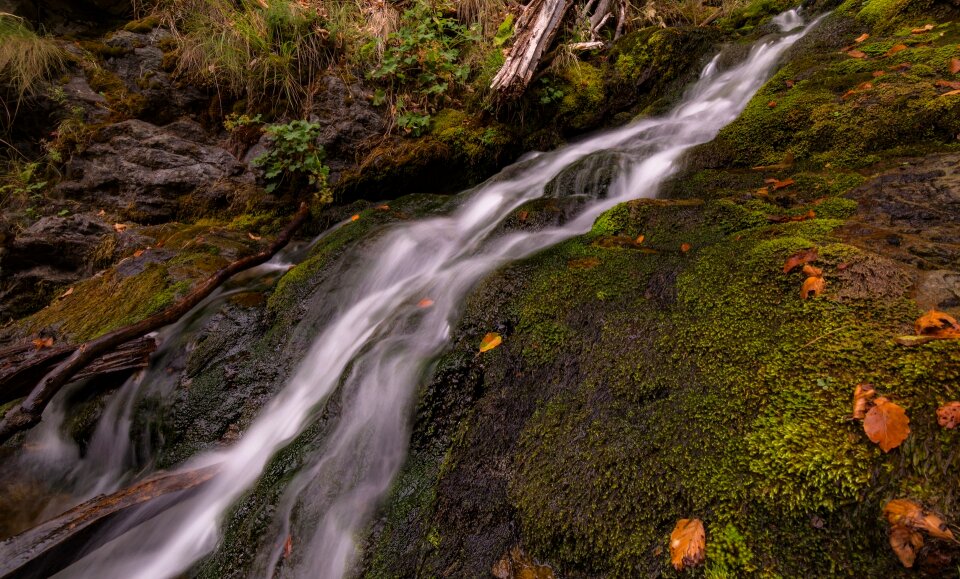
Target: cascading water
<point>380,344</point>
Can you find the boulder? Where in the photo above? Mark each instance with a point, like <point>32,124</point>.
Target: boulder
<point>150,174</point>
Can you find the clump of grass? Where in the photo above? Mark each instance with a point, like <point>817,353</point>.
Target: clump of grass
<point>26,58</point>
<point>252,49</point>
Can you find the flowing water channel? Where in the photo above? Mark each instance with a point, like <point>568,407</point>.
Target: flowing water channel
<point>377,349</point>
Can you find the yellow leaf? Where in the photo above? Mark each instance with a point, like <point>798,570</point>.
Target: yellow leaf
<point>687,544</point>
<point>490,341</point>
<point>886,424</point>
<point>812,287</point>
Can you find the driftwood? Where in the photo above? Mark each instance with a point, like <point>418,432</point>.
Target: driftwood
<point>19,553</point>
<point>23,365</point>
<point>28,413</point>
<point>535,31</point>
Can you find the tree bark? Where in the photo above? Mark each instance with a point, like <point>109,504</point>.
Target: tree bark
<point>28,413</point>
<point>23,365</point>
<point>535,31</point>
<point>17,553</point>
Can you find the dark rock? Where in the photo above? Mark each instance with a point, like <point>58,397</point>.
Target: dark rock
<point>51,253</point>
<point>150,174</point>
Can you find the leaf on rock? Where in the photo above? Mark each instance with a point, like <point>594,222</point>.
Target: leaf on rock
<point>812,271</point>
<point>906,543</point>
<point>425,303</point>
<point>895,49</point>
<point>862,400</point>
<point>886,424</point>
<point>951,84</point>
<point>516,564</point>
<point>948,415</point>
<point>954,65</point>
<point>583,263</point>
<point>687,544</point>
<point>878,73</point>
<point>41,343</point>
<point>253,237</point>
<point>800,258</point>
<point>382,208</point>
<point>288,547</point>
<point>792,218</point>
<point>812,287</point>
<point>861,38</point>
<point>66,293</point>
<point>922,29</point>
<point>490,341</point>
<point>937,325</point>
<point>910,514</point>
<point>119,227</point>
<point>685,247</point>
<point>951,93</point>
<point>639,239</point>
<point>522,216</point>
<point>354,217</point>
<point>857,54</point>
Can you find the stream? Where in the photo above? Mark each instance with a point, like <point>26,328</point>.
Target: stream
<point>374,353</point>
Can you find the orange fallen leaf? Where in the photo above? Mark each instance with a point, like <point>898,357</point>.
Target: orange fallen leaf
<point>922,29</point>
<point>861,38</point>
<point>790,83</point>
<point>490,341</point>
<point>857,54</point>
<point>912,515</point>
<point>848,94</point>
<point>951,93</point>
<point>583,263</point>
<point>951,84</point>
<point>900,67</point>
<point>138,253</point>
<point>791,218</point>
<point>812,287</point>
<point>383,208</point>
<point>425,303</point>
<point>763,192</point>
<point>522,216</point>
<point>878,73</point>
<point>948,415</point>
<point>865,86</point>
<point>886,424</point>
<point>800,258</point>
<point>812,271</point>
<point>253,237</point>
<point>41,343</point>
<point>685,247</point>
<point>639,239</point>
<point>288,547</point>
<point>862,399</point>
<point>66,293</point>
<point>687,544</point>
<point>954,65</point>
<point>119,227</point>
<point>937,324</point>
<point>354,217</point>
<point>772,104</point>
<point>906,543</point>
<point>895,49</point>
<point>516,564</point>
<point>101,213</point>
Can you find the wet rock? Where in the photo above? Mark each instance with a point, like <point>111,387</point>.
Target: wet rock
<point>52,252</point>
<point>148,174</point>
<point>591,176</point>
<point>350,123</point>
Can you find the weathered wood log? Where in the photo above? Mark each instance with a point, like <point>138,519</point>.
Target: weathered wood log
<point>535,31</point>
<point>22,366</point>
<point>18,553</point>
<point>28,413</point>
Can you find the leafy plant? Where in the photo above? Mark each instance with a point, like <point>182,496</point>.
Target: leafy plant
<point>295,155</point>
<point>20,184</point>
<point>422,58</point>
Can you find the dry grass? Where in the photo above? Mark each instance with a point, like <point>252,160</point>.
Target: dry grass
<point>26,59</point>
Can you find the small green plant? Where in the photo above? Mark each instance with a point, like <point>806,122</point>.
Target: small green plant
<point>235,121</point>
<point>549,92</point>
<point>422,58</point>
<point>20,184</point>
<point>295,157</point>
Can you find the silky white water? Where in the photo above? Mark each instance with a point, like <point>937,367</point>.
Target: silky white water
<point>379,346</point>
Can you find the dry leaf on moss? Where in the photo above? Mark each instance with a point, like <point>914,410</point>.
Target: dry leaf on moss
<point>886,424</point>
<point>687,544</point>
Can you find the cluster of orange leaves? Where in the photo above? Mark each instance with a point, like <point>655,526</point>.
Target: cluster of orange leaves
<point>909,522</point>
<point>885,423</point>
<point>814,284</point>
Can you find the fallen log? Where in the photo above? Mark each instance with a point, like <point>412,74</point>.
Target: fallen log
<point>18,554</point>
<point>28,413</point>
<point>23,365</point>
<point>535,32</point>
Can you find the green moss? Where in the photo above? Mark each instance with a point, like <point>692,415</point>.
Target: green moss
<point>143,25</point>
<point>583,92</point>
<point>102,50</point>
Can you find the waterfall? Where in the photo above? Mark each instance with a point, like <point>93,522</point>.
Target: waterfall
<point>379,346</point>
